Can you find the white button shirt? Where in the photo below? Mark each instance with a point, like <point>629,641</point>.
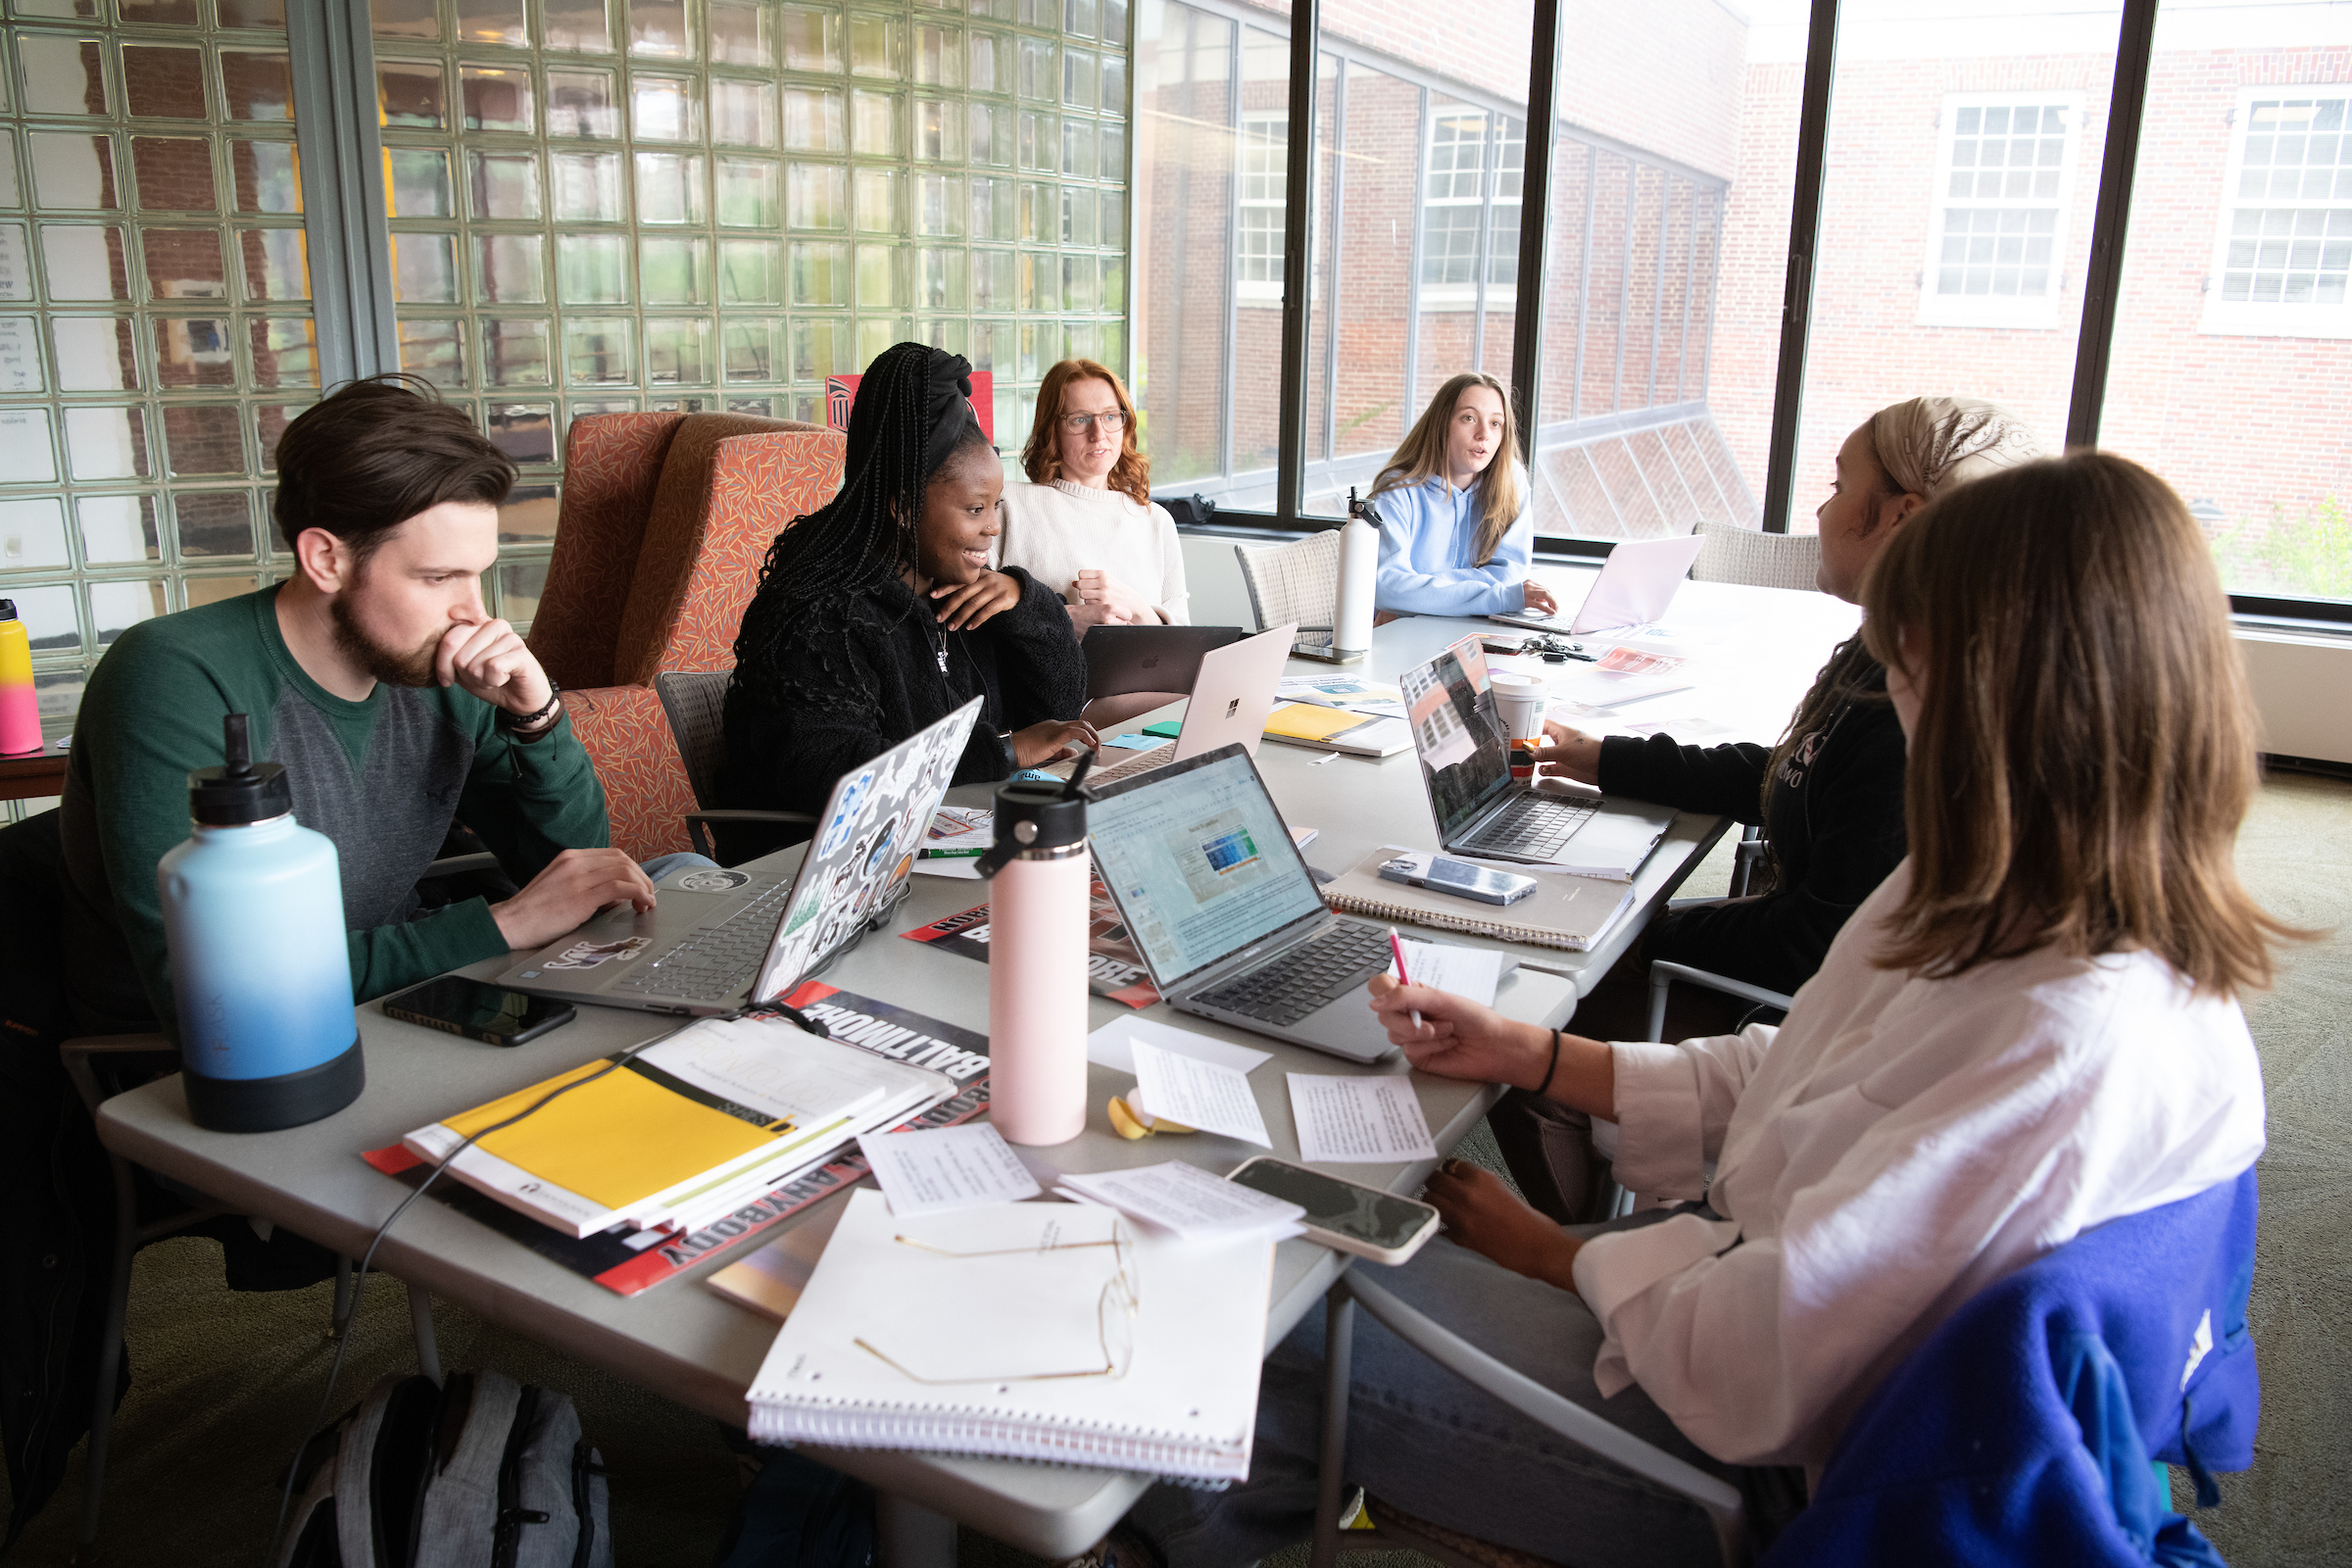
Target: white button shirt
<point>1893,1147</point>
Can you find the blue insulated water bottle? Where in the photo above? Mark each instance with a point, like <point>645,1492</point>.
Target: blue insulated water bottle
<point>252,916</point>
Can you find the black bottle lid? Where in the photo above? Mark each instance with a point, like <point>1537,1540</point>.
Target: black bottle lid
<point>1036,817</point>
<point>242,792</point>
<point>8,610</point>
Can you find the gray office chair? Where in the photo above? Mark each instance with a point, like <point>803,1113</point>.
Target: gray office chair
<point>1728,553</point>
<point>1719,1498</point>
<point>695,701</point>
<point>1294,583</point>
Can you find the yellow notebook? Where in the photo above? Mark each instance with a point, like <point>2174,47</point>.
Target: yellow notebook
<point>1337,729</point>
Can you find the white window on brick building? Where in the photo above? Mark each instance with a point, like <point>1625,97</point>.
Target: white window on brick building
<point>2004,189</point>
<point>2283,255</point>
<point>1464,144</point>
<point>1264,150</point>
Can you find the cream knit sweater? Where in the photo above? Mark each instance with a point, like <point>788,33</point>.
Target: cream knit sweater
<point>1055,531</point>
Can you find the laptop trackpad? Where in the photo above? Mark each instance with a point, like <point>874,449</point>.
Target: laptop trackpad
<point>1346,1027</point>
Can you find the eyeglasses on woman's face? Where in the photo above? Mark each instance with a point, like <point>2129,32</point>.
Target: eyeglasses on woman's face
<point>1113,420</point>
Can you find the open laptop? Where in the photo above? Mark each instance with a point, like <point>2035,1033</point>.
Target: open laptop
<point>1633,587</point>
<point>1225,914</point>
<point>1231,697</point>
<point>1149,658</point>
<point>716,941</point>
<point>1480,810</point>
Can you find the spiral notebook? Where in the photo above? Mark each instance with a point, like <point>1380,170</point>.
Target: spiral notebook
<point>1006,1329</point>
<point>1564,911</point>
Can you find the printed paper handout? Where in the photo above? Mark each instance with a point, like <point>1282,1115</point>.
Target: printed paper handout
<point>1209,1096</point>
<point>952,1167</point>
<point>1358,1121</point>
<point>1187,1201</point>
<point>1472,972</point>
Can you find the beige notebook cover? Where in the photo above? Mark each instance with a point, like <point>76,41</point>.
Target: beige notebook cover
<point>1564,911</point>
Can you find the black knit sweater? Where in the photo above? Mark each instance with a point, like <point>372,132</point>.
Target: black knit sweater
<point>1837,829</point>
<point>856,679</point>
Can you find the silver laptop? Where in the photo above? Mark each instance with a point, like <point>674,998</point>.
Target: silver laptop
<point>1480,810</point>
<point>1633,588</point>
<point>717,940</point>
<point>1225,914</point>
<point>1231,697</point>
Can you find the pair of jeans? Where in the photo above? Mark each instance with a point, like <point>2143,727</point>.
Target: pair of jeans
<point>1426,1442</point>
<point>660,865</point>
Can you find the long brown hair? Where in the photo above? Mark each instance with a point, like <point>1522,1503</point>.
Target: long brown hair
<point>2084,749</point>
<point>1130,475</point>
<point>1422,456</point>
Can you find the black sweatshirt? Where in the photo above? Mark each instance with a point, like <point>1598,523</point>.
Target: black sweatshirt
<point>1837,829</point>
<point>861,678</point>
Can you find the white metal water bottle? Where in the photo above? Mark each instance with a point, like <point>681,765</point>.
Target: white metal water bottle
<point>1038,873</point>
<point>1359,573</point>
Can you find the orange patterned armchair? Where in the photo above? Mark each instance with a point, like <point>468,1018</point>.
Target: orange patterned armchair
<point>665,519</point>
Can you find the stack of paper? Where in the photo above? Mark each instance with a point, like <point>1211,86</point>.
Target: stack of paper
<point>1187,1202</point>
<point>682,1133</point>
<point>1351,692</point>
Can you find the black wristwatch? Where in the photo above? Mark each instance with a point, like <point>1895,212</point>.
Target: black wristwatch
<point>512,724</point>
<point>1012,759</point>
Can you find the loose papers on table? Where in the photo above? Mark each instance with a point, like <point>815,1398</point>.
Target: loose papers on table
<point>1358,1121</point>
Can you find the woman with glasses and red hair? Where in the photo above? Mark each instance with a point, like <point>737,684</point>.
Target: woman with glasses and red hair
<point>1085,524</point>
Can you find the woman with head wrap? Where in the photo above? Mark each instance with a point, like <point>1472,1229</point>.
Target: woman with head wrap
<point>1830,796</point>
<point>877,614</point>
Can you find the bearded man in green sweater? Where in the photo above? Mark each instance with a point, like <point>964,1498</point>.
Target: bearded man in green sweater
<point>395,701</point>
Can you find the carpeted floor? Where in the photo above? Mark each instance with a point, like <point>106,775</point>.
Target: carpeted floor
<point>225,1384</point>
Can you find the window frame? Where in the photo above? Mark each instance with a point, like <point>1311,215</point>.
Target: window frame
<point>1248,142</point>
<point>2226,318</point>
<point>2046,311</point>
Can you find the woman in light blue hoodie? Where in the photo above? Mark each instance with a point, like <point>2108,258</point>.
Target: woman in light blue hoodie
<point>1455,535</point>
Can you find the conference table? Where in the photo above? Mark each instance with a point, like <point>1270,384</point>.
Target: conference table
<point>1753,651</point>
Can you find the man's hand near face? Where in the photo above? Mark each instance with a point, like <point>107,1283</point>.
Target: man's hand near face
<point>489,660</point>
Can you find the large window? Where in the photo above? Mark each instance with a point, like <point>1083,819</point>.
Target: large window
<point>2284,250</point>
<point>2003,197</point>
<point>2231,372</point>
<point>155,317</point>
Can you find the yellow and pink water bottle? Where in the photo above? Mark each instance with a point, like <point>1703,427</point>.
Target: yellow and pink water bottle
<point>20,712</point>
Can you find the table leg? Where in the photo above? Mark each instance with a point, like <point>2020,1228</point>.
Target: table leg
<point>421,1321</point>
<point>911,1536</point>
<point>1339,1351</point>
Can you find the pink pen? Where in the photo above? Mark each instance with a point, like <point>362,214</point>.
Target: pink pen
<point>1397,948</point>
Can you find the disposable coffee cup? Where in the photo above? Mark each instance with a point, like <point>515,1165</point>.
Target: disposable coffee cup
<point>1520,702</point>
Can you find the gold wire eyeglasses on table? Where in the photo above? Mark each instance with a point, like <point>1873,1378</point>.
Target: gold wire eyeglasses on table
<point>1115,1311</point>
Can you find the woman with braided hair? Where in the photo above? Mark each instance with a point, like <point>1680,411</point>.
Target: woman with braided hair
<point>877,614</point>
<point>1830,796</point>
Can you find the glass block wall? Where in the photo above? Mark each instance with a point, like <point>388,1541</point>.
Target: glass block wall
<point>716,203</point>
<point>154,321</point>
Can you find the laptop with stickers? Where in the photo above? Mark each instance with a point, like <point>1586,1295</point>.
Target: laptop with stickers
<point>716,941</point>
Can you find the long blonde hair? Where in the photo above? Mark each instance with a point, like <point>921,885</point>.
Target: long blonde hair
<point>1422,456</point>
<point>1041,458</point>
<point>2084,749</point>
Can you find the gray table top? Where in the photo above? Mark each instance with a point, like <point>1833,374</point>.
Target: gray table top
<point>702,1350</point>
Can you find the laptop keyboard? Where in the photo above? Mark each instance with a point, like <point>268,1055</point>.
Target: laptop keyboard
<point>1307,978</point>
<point>718,960</point>
<point>1139,763</point>
<point>1533,826</point>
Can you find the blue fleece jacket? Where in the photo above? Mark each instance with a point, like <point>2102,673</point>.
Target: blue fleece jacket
<point>1429,553</point>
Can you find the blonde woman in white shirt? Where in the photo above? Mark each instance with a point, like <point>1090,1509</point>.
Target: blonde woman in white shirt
<point>2030,1029</point>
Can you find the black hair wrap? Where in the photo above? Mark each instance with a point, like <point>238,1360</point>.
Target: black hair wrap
<point>912,413</point>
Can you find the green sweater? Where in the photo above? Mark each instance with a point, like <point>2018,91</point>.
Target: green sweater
<point>383,778</point>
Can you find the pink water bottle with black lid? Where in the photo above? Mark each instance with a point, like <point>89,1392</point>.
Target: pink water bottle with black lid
<point>1038,907</point>
<point>20,710</point>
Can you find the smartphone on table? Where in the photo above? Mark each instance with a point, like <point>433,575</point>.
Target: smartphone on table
<point>1442,873</point>
<point>477,1011</point>
<point>1345,1216</point>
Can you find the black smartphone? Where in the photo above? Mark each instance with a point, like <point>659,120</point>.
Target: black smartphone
<point>477,1011</point>
<point>1345,1216</point>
